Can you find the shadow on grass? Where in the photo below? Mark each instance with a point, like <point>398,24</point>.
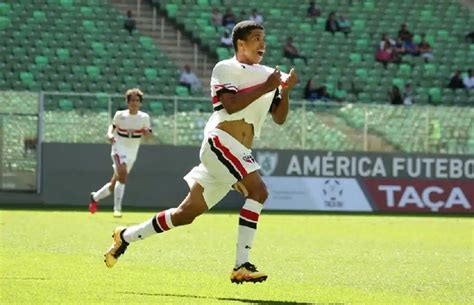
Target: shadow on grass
<point>132,209</point>
<point>249,301</point>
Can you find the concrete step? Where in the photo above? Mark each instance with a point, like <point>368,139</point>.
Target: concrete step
<point>182,54</point>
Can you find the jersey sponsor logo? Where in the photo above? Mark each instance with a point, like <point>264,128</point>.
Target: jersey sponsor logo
<point>268,162</point>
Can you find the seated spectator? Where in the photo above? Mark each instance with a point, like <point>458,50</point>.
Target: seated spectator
<point>190,80</point>
<point>410,47</point>
<point>408,95</point>
<point>340,94</point>
<point>322,94</point>
<point>130,23</point>
<point>216,17</point>
<point>313,11</point>
<point>404,34</point>
<point>229,19</point>
<point>424,49</point>
<point>256,17</point>
<point>291,52</point>
<point>331,23</point>
<point>456,81</point>
<point>310,93</point>
<point>469,80</point>
<point>226,40</point>
<point>387,55</point>
<point>395,96</point>
<point>386,40</point>
<point>344,25</point>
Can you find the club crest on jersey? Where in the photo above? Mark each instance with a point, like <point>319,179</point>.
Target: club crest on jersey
<point>248,159</point>
<point>268,162</point>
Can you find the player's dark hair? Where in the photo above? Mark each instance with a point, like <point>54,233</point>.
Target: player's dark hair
<point>132,92</point>
<point>242,31</point>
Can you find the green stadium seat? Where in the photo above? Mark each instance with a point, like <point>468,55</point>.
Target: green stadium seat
<point>151,74</point>
<point>435,95</point>
<point>66,105</point>
<point>181,91</point>
<point>93,72</point>
<point>26,78</point>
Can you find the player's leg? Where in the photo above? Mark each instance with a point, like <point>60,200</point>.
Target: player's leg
<point>256,193</point>
<point>119,189</point>
<point>191,207</point>
<point>102,193</point>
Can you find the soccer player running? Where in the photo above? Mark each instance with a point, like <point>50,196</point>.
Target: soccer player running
<point>125,132</point>
<point>243,92</point>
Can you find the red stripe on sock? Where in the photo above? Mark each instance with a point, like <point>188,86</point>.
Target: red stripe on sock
<point>162,221</point>
<point>249,214</point>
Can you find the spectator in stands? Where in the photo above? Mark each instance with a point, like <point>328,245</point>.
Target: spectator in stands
<point>313,11</point>
<point>340,94</point>
<point>190,80</point>
<point>130,23</point>
<point>256,16</point>
<point>331,23</point>
<point>469,80</point>
<point>226,40</point>
<point>216,17</point>
<point>424,49</point>
<point>387,55</point>
<point>386,40</point>
<point>469,37</point>
<point>310,93</point>
<point>291,52</point>
<point>410,47</point>
<point>408,95</point>
<point>456,81</point>
<point>323,94</point>
<point>395,96</point>
<point>229,19</point>
<point>344,25</point>
<point>404,34</point>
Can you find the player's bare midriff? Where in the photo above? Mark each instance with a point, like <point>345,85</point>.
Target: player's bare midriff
<point>239,130</point>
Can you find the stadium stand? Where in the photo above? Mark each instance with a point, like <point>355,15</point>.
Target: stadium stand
<point>350,59</point>
<point>80,46</point>
<point>77,46</point>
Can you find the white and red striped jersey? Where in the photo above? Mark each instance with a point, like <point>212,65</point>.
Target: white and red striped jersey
<point>232,76</point>
<point>129,128</point>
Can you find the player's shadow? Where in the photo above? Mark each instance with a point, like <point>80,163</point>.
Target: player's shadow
<point>249,301</point>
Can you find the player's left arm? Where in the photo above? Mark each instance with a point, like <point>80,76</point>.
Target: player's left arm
<point>280,107</point>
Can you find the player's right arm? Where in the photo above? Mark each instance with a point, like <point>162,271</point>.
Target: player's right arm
<point>232,100</point>
<point>111,129</point>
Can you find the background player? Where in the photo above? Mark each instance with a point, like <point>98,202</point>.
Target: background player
<point>243,92</point>
<point>125,132</point>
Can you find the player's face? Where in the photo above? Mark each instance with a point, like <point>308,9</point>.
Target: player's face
<point>134,103</point>
<point>253,48</point>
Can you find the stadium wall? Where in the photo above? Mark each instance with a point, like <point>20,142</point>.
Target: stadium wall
<point>297,180</point>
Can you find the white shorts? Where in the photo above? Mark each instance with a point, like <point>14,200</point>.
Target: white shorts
<point>121,155</point>
<point>224,161</point>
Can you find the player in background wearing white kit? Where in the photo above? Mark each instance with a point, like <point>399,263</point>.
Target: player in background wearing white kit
<point>243,93</point>
<point>125,132</point>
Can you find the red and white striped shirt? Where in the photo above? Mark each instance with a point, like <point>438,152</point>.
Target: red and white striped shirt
<point>129,128</point>
<point>232,76</point>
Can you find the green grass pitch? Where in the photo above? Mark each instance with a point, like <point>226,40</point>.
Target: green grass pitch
<point>56,257</point>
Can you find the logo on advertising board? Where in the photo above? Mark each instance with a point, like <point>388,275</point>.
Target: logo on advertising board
<point>268,162</point>
<point>421,195</point>
<point>332,193</point>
